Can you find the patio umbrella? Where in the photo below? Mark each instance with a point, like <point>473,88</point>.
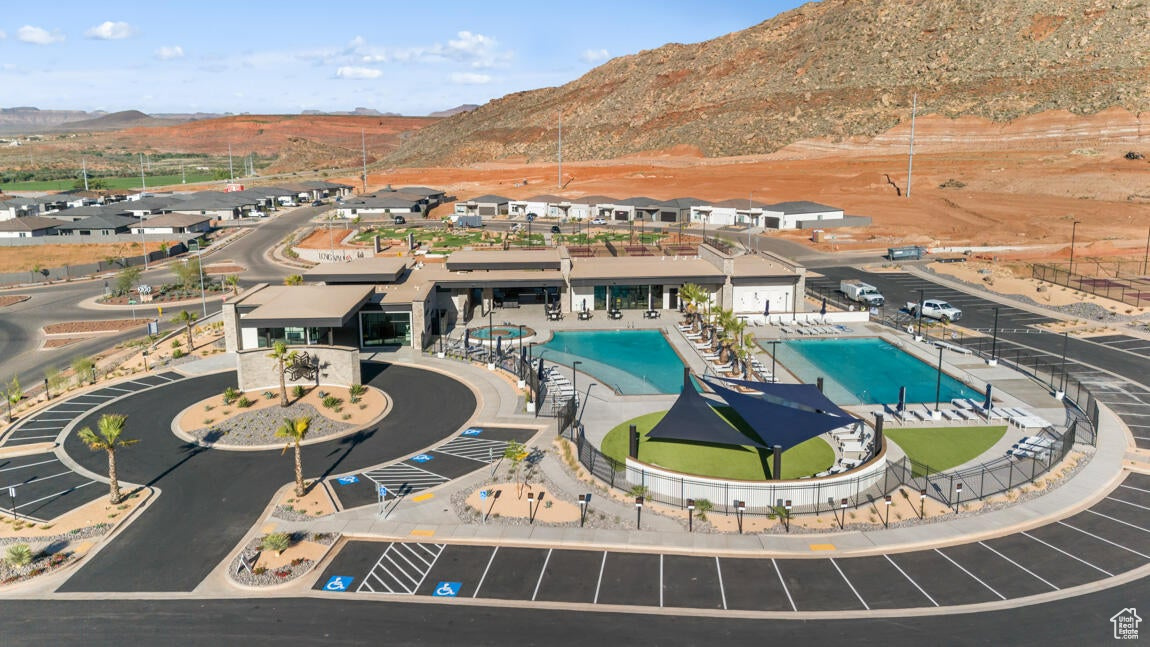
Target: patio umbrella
<point>650,297</point>
<point>499,345</point>
<point>466,338</point>
<point>767,308</point>
<point>823,309</point>
<point>986,403</point>
<point>522,355</point>
<point>901,399</point>
<point>540,374</point>
<point>584,305</point>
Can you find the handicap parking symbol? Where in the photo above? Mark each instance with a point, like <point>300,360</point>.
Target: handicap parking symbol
<point>347,480</point>
<point>474,431</point>
<point>447,589</point>
<point>422,458</point>
<point>338,583</point>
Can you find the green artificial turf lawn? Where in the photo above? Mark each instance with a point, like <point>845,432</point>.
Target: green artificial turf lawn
<point>944,447</point>
<point>717,461</point>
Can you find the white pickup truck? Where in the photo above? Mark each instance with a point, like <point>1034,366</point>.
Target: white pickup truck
<point>856,290</point>
<point>935,309</point>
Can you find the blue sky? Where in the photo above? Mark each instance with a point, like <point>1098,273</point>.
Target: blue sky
<point>283,57</point>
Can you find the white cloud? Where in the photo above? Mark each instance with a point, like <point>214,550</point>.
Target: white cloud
<point>38,35</point>
<point>357,73</point>
<point>470,78</point>
<point>474,50</point>
<point>594,55</point>
<point>169,52</point>
<point>3,34</point>
<point>109,30</point>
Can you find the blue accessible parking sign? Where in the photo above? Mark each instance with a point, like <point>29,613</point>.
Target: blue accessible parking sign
<point>474,431</point>
<point>338,583</point>
<point>422,458</point>
<point>447,589</point>
<point>347,480</point>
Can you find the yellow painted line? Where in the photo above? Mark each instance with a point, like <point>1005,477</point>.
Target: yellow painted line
<point>422,497</point>
<point>822,546</point>
<point>423,533</point>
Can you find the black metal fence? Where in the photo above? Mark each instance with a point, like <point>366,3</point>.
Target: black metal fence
<point>1131,289</point>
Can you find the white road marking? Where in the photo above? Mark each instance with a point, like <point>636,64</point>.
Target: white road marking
<point>784,583</point>
<point>1036,576</point>
<point>911,580</point>
<point>1117,545</point>
<point>972,575</point>
<point>1077,558</point>
<point>541,572</point>
<point>600,582</point>
<point>722,590</point>
<point>484,576</point>
<point>853,590</point>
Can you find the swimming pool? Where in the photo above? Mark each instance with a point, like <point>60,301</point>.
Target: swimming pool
<point>506,332</point>
<point>867,371</point>
<point>633,362</point>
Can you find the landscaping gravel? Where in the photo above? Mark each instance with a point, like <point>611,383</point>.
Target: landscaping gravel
<point>258,428</point>
<point>277,576</point>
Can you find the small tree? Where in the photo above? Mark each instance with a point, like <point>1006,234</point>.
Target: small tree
<point>188,272</point>
<point>295,430</point>
<point>110,426</point>
<point>233,282</point>
<point>294,279</point>
<point>13,394</point>
<point>702,507</point>
<point>127,278</point>
<point>37,271</point>
<point>283,358</point>
<point>276,541</point>
<point>186,319</point>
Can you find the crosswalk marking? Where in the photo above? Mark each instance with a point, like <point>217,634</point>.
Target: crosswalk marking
<point>476,449</point>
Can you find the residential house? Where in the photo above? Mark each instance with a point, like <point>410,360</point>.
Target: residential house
<point>28,227</point>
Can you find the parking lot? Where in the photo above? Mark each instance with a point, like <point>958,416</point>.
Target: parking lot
<point>462,455</point>
<point>1110,538</point>
<point>45,487</point>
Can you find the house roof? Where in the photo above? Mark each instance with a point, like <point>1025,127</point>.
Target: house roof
<point>595,199</point>
<point>102,221</point>
<point>637,270</point>
<point>29,223</point>
<point>375,269</point>
<point>735,203</point>
<point>420,190</point>
<point>749,266</point>
<point>174,220</point>
<point>490,199</point>
<point>800,206</point>
<point>307,305</point>
<point>511,259</point>
<point>382,202</point>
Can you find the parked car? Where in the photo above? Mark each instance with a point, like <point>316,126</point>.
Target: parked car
<point>599,221</point>
<point>400,220</point>
<point>516,227</point>
<point>317,203</point>
<point>555,229</point>
<point>531,217</point>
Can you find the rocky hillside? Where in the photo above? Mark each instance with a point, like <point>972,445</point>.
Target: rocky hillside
<point>835,68</point>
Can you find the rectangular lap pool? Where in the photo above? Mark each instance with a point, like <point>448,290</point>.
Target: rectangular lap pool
<point>867,371</point>
<point>633,362</point>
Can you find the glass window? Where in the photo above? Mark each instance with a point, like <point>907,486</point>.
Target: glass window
<point>385,329</point>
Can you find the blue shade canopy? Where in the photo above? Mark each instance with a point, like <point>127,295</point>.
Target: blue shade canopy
<point>778,424</point>
<point>691,418</point>
<point>805,397</point>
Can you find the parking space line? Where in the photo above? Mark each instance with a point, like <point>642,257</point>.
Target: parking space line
<point>60,493</point>
<point>20,467</point>
<point>784,583</point>
<point>1077,558</point>
<point>600,582</point>
<point>54,420</point>
<point>116,388</point>
<point>541,572</point>
<point>1032,573</point>
<point>33,437</point>
<point>1125,523</point>
<point>1090,534</point>
<point>853,589</point>
<point>371,573</point>
<point>972,575</point>
<point>660,580</point>
<point>397,554</point>
<point>484,576</point>
<point>911,580</point>
<point>1128,503</point>
<point>41,479</point>
<point>722,591</point>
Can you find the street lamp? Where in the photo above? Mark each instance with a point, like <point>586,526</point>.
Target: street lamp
<point>787,514</point>
<point>1073,232</point>
<point>843,519</point>
<point>584,499</point>
<point>200,266</point>
<point>740,508</point>
<point>994,341</point>
<point>690,515</point>
<point>638,512</point>
<point>774,349</point>
<point>530,503</point>
<point>957,496</point>
<point>1065,341</point>
<point>574,366</point>
<point>886,520</point>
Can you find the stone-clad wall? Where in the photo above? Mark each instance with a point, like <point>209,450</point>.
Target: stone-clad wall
<point>338,366</point>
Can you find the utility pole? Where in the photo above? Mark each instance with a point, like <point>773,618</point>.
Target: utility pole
<point>363,144</point>
<point>143,238</point>
<point>231,169</point>
<point>910,158</point>
<point>84,166</point>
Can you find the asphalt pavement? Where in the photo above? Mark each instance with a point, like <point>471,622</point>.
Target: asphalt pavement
<point>209,499</point>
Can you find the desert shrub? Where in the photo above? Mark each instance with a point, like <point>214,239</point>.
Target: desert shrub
<point>19,555</point>
<point>331,402</point>
<point>356,391</point>
<point>277,541</point>
<point>298,391</point>
<point>244,402</point>
<point>231,394</point>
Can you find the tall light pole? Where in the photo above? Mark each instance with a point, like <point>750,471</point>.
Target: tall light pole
<point>1073,232</point>
<point>921,298</point>
<point>1146,256</point>
<point>574,366</point>
<point>938,386</point>
<point>994,341</point>
<point>774,350</point>
<point>1065,341</point>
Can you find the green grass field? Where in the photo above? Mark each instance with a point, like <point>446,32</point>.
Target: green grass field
<point>944,447</point>
<point>111,182</point>
<point>718,461</point>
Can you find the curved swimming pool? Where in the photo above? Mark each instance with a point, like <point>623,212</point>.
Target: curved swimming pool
<point>633,362</point>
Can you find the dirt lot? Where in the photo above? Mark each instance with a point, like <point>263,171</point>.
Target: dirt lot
<point>13,299</point>
<point>22,259</point>
<point>75,327</point>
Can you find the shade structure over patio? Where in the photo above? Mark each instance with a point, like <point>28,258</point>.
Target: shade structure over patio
<point>691,418</point>
<point>778,424</point>
<point>805,397</point>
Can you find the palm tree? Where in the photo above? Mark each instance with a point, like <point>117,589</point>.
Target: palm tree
<point>295,430</point>
<point>283,357</point>
<point>692,295</point>
<point>233,282</point>
<point>110,426</point>
<point>186,319</point>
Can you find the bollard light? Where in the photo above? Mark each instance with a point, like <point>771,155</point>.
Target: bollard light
<point>922,503</point>
<point>584,499</point>
<point>740,508</point>
<point>787,509</point>
<point>886,520</point>
<point>690,515</point>
<point>843,506</point>
<point>638,512</point>
<point>957,496</point>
